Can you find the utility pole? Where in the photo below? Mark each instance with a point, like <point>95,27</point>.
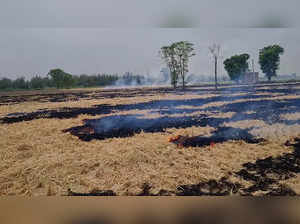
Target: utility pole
<point>216,72</point>
<point>215,50</point>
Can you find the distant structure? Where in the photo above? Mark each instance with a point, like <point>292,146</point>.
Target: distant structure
<point>249,77</point>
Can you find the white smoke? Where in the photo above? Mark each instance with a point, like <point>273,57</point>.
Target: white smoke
<point>157,78</point>
<point>153,78</point>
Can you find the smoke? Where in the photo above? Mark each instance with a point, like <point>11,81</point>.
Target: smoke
<point>115,123</point>
<point>159,78</point>
<point>119,125</point>
<point>155,78</point>
<point>236,112</point>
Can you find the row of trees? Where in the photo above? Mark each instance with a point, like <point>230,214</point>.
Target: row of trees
<point>59,79</point>
<point>176,56</point>
<point>36,82</point>
<point>269,59</point>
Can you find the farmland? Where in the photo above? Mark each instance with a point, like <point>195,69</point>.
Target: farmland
<point>238,140</point>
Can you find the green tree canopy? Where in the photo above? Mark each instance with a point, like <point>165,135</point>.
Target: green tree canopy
<point>236,66</point>
<point>176,56</point>
<point>61,79</point>
<point>184,51</point>
<point>168,54</point>
<point>269,59</point>
<point>5,83</point>
<point>38,82</point>
<point>20,83</point>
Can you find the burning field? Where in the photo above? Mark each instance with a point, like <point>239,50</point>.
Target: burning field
<point>152,141</point>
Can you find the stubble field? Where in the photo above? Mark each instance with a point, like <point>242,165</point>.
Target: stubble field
<point>239,140</point>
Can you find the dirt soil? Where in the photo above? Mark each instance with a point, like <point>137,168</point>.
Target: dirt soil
<point>239,140</point>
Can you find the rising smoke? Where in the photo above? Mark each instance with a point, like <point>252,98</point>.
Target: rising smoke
<point>157,78</point>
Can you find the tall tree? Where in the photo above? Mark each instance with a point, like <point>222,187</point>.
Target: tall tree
<point>184,51</point>
<point>168,54</point>
<point>236,66</point>
<point>60,78</point>
<point>177,56</point>
<point>215,50</point>
<point>269,59</point>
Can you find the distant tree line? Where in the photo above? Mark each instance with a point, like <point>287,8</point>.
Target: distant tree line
<point>36,82</point>
<point>129,78</point>
<point>57,78</point>
<point>176,56</point>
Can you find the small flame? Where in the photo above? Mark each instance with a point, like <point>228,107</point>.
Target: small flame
<point>173,139</point>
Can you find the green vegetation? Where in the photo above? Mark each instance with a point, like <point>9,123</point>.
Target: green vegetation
<point>59,79</point>
<point>236,66</point>
<point>269,59</point>
<point>168,54</point>
<point>6,83</point>
<point>95,80</point>
<point>177,56</point>
<point>40,83</point>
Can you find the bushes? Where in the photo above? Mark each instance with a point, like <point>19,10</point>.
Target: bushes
<point>95,80</point>
<point>59,79</point>
<point>6,83</point>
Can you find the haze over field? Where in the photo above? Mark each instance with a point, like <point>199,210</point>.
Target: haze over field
<point>28,52</point>
<point>155,13</point>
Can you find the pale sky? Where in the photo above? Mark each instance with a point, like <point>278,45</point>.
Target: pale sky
<point>115,36</point>
<point>30,51</point>
<point>153,13</point>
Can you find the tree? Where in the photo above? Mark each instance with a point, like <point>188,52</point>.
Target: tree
<point>177,56</point>
<point>38,82</point>
<point>6,83</point>
<point>61,79</point>
<point>68,80</point>
<point>269,59</point>
<point>57,76</point>
<point>215,50</point>
<point>184,51</point>
<point>167,53</point>
<point>20,83</point>
<point>236,66</point>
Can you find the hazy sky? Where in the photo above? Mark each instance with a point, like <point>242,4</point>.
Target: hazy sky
<point>26,52</point>
<point>115,36</point>
<point>120,13</point>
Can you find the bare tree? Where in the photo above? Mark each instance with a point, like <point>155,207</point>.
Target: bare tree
<point>215,50</point>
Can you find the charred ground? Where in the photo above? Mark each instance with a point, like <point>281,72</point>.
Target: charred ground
<point>233,116</point>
